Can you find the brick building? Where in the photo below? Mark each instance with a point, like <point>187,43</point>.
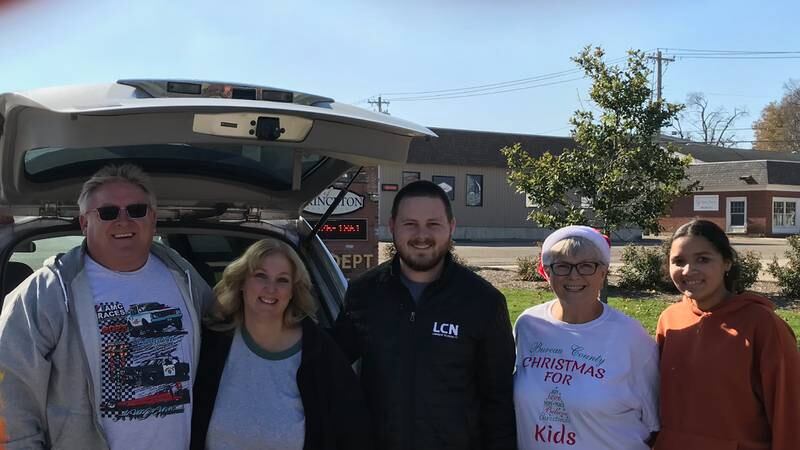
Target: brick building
<point>743,191</point>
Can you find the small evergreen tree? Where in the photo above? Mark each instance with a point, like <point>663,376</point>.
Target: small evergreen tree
<point>618,175</point>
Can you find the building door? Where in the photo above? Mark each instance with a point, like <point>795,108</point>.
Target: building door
<point>784,216</point>
<point>737,215</point>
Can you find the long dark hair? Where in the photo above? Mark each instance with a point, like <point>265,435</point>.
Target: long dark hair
<point>713,234</point>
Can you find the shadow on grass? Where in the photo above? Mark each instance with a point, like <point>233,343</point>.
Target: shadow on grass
<point>635,294</point>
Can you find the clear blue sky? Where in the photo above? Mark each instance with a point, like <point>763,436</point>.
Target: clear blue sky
<point>353,50</point>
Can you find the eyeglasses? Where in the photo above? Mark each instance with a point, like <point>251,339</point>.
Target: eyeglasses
<point>563,269</point>
<point>134,211</point>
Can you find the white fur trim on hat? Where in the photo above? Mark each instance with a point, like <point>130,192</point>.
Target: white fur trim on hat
<point>594,236</point>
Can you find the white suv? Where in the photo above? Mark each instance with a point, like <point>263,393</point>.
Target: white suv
<point>230,163</point>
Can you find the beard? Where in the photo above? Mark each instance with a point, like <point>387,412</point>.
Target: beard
<point>422,260</point>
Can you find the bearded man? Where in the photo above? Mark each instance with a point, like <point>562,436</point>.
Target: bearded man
<point>434,339</point>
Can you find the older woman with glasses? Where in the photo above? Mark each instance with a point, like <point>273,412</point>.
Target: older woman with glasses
<point>586,375</point>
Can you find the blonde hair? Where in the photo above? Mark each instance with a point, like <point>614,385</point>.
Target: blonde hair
<point>571,246</point>
<point>227,312</point>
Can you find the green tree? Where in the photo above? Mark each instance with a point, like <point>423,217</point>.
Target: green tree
<point>778,128</point>
<point>618,175</point>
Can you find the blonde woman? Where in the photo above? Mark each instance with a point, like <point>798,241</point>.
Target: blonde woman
<point>268,376</point>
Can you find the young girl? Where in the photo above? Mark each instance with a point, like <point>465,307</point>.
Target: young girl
<point>730,369</point>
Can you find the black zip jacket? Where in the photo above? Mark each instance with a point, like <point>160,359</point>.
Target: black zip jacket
<point>438,374</point>
<point>333,403</point>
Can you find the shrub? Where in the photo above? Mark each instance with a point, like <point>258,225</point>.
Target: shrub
<point>788,276</point>
<point>527,269</point>
<point>750,263</point>
<point>644,268</point>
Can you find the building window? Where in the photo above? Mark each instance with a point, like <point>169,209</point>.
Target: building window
<point>474,190</point>
<point>784,213</point>
<point>448,185</point>
<point>410,177</point>
<point>737,213</point>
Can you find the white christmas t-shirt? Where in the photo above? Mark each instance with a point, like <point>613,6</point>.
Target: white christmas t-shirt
<point>591,386</point>
<point>145,357</point>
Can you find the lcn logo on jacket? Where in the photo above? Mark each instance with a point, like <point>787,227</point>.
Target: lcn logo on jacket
<point>448,330</point>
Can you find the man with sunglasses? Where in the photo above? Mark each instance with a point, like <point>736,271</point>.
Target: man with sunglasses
<point>78,336</point>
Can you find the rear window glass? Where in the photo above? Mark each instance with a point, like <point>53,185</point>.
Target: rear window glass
<point>269,166</point>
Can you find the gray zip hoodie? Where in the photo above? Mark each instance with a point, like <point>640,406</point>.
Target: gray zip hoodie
<point>50,352</point>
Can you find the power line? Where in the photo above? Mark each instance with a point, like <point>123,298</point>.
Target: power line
<point>491,88</point>
<point>536,81</point>
<point>479,90</point>
<point>448,97</point>
<point>687,56</point>
<point>687,53</point>
<point>762,52</point>
<point>491,85</point>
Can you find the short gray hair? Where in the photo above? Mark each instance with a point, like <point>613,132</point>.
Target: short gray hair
<point>571,246</point>
<point>128,173</point>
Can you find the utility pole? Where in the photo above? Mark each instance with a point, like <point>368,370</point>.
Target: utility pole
<point>659,59</point>
<point>380,102</point>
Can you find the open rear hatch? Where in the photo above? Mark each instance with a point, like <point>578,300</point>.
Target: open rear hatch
<point>211,148</point>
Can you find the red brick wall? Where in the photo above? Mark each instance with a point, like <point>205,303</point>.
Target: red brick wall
<point>759,211</point>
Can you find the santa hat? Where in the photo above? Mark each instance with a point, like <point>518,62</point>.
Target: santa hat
<point>600,241</point>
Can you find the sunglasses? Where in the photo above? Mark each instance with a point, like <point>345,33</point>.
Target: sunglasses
<point>134,211</point>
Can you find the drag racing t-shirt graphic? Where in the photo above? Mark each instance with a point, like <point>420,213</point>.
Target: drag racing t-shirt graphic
<point>584,386</point>
<point>145,351</point>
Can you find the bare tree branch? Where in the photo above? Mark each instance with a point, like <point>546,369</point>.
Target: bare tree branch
<point>710,126</point>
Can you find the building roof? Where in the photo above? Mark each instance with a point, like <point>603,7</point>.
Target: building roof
<point>712,153</point>
<point>482,148</point>
<point>479,148</point>
<point>724,175</point>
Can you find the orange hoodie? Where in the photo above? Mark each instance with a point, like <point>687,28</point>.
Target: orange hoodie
<point>730,377</point>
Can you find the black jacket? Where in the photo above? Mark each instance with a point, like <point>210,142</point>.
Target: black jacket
<point>335,412</point>
<point>437,375</point>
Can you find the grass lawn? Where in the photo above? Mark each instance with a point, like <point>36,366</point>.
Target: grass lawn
<point>645,310</point>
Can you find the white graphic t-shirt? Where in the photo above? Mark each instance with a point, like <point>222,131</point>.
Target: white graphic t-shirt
<point>591,386</point>
<point>145,357</point>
